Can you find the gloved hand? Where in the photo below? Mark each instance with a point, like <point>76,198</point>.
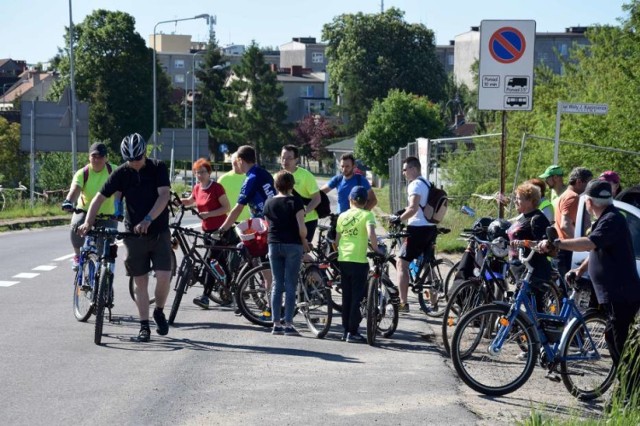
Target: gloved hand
<point>394,219</point>
<point>67,206</point>
<point>400,212</point>
<point>119,210</point>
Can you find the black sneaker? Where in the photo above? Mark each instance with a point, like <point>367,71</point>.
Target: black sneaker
<point>161,322</point>
<point>344,336</point>
<point>144,335</point>
<point>202,301</point>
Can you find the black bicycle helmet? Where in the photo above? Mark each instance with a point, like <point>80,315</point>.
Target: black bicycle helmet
<point>480,227</point>
<point>132,147</point>
<point>498,228</point>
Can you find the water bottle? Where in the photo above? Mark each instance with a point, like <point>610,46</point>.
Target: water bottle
<point>217,270</point>
<point>468,211</point>
<point>414,267</point>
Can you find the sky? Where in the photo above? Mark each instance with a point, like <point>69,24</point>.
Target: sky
<point>32,30</point>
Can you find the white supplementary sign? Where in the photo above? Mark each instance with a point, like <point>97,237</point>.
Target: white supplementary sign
<point>506,65</point>
<point>598,109</point>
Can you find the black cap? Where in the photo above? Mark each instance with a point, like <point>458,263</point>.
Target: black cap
<point>599,189</point>
<point>98,148</point>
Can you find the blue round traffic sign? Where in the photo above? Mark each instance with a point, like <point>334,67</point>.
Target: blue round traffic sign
<point>507,45</point>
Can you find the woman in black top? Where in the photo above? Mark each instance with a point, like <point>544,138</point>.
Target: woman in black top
<point>287,241</point>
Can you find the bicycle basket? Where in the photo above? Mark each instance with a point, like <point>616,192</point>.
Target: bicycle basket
<point>253,234</point>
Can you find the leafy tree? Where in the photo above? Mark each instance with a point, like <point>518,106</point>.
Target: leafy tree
<point>312,133</point>
<point>257,114</point>
<point>54,169</point>
<point>112,73</point>
<point>394,122</point>
<point>13,162</point>
<point>371,54</point>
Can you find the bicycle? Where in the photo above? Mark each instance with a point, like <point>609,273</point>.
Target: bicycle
<point>495,346</point>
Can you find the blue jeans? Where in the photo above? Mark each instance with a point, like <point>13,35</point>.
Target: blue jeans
<point>285,260</point>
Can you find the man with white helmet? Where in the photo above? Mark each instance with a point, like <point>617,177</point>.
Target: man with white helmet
<point>145,187</point>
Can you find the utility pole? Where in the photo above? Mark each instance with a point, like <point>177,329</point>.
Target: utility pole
<point>381,6</point>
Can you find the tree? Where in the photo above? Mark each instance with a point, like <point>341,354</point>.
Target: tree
<point>13,162</point>
<point>311,135</point>
<point>257,114</point>
<point>371,54</point>
<point>392,123</point>
<point>113,74</point>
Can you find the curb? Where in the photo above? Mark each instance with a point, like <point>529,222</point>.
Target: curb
<point>29,222</point>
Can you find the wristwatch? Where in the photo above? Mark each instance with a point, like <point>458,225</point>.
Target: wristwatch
<point>148,218</point>
<point>556,243</point>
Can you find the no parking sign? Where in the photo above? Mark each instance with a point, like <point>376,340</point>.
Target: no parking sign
<point>506,65</point>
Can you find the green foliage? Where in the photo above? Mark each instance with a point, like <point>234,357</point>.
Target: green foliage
<point>13,162</point>
<point>372,54</point>
<point>257,115</point>
<point>55,170</point>
<point>392,123</point>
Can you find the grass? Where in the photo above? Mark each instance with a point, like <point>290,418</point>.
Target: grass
<point>23,209</point>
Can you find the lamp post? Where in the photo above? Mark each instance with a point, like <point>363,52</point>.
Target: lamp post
<point>155,103</point>
<point>186,87</point>
<point>193,109</point>
<point>74,111</point>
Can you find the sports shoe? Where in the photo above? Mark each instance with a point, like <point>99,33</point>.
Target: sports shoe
<point>266,314</point>
<point>355,338</point>
<point>344,336</point>
<point>403,308</point>
<point>75,263</point>
<point>277,330</point>
<point>290,330</point>
<point>202,301</point>
<point>161,322</point>
<point>144,335</point>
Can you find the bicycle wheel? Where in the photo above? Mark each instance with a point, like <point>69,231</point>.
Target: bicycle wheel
<point>185,274</point>
<point>253,296</point>
<point>335,281</point>
<point>587,368</point>
<point>432,297</point>
<point>468,295</point>
<point>373,292</point>
<point>448,282</point>
<point>388,311</point>
<point>85,285</point>
<point>315,301</point>
<point>102,299</point>
<point>493,372</point>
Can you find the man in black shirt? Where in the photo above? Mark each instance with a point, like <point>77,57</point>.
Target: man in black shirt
<point>145,188</point>
<point>612,267</point>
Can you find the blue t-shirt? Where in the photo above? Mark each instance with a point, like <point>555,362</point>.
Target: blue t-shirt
<point>256,189</point>
<point>344,188</point>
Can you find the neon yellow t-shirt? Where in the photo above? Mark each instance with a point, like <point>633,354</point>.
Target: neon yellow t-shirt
<point>232,182</point>
<point>94,184</point>
<point>354,238</point>
<point>306,185</point>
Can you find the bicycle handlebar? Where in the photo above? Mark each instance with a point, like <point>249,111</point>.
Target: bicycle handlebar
<point>102,231</point>
<point>101,216</point>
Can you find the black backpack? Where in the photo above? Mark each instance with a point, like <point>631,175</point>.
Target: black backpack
<point>323,209</point>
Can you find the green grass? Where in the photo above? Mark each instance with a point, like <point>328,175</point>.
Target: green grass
<point>23,209</point>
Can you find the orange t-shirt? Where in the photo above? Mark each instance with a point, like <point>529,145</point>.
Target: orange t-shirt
<point>567,206</point>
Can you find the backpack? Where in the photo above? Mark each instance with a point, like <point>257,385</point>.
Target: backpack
<point>323,209</point>
<point>85,173</point>
<point>437,203</point>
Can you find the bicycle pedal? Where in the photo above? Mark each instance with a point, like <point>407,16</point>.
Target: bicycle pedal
<point>552,376</point>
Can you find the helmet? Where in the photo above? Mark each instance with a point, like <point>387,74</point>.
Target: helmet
<point>498,228</point>
<point>500,247</point>
<point>132,147</point>
<point>480,227</point>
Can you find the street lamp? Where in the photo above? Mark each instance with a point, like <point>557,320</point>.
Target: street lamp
<point>155,103</point>
<point>72,89</point>
<point>186,88</point>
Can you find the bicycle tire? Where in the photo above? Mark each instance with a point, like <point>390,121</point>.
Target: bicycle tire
<point>388,323</point>
<point>468,295</point>
<point>185,273</point>
<point>372,309</point>
<point>316,304</point>
<point>252,296</point>
<point>483,372</point>
<point>448,282</point>
<point>434,306</point>
<point>102,297</point>
<point>84,286</point>
<point>335,279</point>
<point>600,372</point>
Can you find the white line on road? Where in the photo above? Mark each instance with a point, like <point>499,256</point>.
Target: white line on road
<point>8,283</point>
<point>68,256</point>
<point>26,275</point>
<point>44,268</point>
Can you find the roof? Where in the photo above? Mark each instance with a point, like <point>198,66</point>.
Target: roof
<point>466,129</point>
<point>306,78</point>
<point>345,145</point>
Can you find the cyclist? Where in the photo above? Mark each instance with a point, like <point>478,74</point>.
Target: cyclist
<point>356,226</point>
<point>86,183</point>
<point>213,205</point>
<point>421,232</point>
<point>144,184</point>
<point>232,181</point>
<point>545,206</point>
<point>553,176</point>
<point>305,185</point>
<point>346,181</point>
<point>614,179</point>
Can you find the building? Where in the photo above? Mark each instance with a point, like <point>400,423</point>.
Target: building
<point>547,48</point>
<point>304,52</point>
<point>445,54</point>
<point>31,85</point>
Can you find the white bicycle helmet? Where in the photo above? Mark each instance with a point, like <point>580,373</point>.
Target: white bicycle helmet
<point>132,147</point>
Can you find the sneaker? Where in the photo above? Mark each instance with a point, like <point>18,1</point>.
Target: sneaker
<point>161,322</point>
<point>344,336</point>
<point>355,338</point>
<point>237,312</point>
<point>75,263</point>
<point>202,301</point>
<point>277,330</point>
<point>290,330</point>
<point>403,308</point>
<point>144,335</point>
<point>266,314</point>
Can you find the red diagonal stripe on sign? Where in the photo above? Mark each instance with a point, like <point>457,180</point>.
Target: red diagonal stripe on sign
<point>507,44</point>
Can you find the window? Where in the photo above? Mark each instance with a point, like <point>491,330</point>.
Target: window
<point>178,63</point>
<point>178,78</point>
<point>317,57</point>
<point>450,59</point>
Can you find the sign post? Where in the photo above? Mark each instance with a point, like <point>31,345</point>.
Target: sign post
<point>574,108</point>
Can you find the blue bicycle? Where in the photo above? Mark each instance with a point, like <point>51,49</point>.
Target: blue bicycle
<point>495,347</point>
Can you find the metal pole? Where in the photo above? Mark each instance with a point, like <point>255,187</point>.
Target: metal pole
<point>172,163</point>
<point>193,110</point>
<point>32,155</point>
<point>556,145</point>
<point>74,111</point>
<point>503,163</point>
<point>186,81</point>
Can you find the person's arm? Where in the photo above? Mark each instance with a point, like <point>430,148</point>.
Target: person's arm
<point>74,192</point>
<point>373,238</point>
<point>188,201</point>
<point>302,230</point>
<point>223,209</point>
<point>164,193</point>
<point>412,208</point>
<point>325,188</point>
<point>315,201</point>
<point>566,225</point>
<point>231,217</point>
<point>575,244</point>
<point>90,218</point>
<point>372,200</point>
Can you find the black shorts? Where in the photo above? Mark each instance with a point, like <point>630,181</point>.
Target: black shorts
<point>148,252</point>
<point>418,242</point>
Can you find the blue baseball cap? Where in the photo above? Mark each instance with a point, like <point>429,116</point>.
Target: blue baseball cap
<point>359,194</point>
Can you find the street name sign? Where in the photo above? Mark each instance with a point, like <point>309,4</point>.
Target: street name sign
<point>571,108</point>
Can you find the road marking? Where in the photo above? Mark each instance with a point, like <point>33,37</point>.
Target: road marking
<point>26,275</point>
<point>68,256</point>
<point>44,268</point>
<point>8,283</point>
